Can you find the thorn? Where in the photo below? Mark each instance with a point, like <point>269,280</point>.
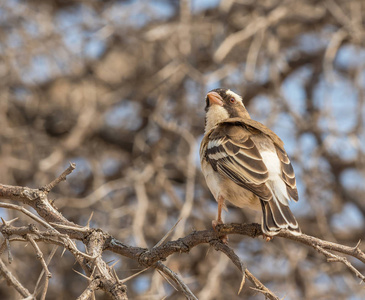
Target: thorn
<point>92,273</point>
<point>13,220</point>
<point>166,235</point>
<point>114,263</point>
<point>88,221</point>
<point>242,283</point>
<point>63,251</point>
<point>110,261</point>
<point>88,279</point>
<point>168,281</point>
<point>357,247</point>
<point>115,275</point>
<point>132,276</point>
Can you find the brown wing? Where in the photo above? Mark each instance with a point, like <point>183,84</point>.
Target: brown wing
<point>231,152</point>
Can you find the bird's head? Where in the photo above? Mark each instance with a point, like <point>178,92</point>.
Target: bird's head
<point>222,104</point>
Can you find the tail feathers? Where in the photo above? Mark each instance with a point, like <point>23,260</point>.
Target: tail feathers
<point>277,216</point>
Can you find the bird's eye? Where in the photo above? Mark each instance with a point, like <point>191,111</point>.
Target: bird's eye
<point>232,100</point>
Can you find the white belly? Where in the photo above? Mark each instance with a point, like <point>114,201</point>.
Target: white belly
<point>230,191</point>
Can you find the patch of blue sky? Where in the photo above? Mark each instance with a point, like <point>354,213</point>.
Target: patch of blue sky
<point>141,283</point>
<point>353,179</point>
<point>193,96</point>
<point>161,9</point>
<point>285,128</point>
<point>262,73</point>
<point>38,71</point>
<point>74,40</point>
<point>312,42</point>
<point>94,48</point>
<point>16,6</point>
<point>69,18</point>
<point>350,56</point>
<point>125,115</point>
<point>21,94</point>
<point>307,144</point>
<point>236,77</point>
<point>354,297</point>
<point>274,265</point>
<point>82,172</point>
<point>293,89</point>
<point>339,99</point>
<point>3,213</point>
<point>199,5</point>
<point>14,40</point>
<point>83,169</point>
<point>197,148</point>
<point>260,108</point>
<point>253,246</point>
<point>300,208</point>
<point>212,84</point>
<point>166,200</point>
<point>342,146</point>
<point>3,15</point>
<point>134,13</point>
<point>322,282</point>
<point>31,28</point>
<point>110,166</point>
<point>348,219</point>
<point>153,133</point>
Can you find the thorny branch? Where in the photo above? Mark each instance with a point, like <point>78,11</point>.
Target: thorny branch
<point>97,241</point>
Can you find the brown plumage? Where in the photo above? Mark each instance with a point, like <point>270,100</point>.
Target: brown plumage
<point>245,163</point>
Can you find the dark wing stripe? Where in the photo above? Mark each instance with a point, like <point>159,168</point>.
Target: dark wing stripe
<point>289,181</point>
<point>261,189</point>
<point>268,220</point>
<point>251,164</point>
<point>288,169</point>
<point>282,155</point>
<point>232,175</point>
<point>231,148</point>
<point>249,175</point>
<point>288,216</point>
<point>276,214</point>
<point>246,143</point>
<point>293,193</point>
<point>214,150</point>
<point>251,153</point>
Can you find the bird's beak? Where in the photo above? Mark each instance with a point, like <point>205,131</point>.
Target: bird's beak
<point>214,98</point>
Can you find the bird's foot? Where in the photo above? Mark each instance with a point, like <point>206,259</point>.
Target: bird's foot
<point>267,238</point>
<point>224,238</point>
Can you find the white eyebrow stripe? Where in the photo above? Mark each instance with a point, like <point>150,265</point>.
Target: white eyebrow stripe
<point>236,96</point>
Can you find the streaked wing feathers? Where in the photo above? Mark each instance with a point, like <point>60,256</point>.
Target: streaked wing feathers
<point>232,153</point>
<point>287,173</point>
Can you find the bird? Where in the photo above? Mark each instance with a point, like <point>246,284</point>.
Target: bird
<point>245,163</point>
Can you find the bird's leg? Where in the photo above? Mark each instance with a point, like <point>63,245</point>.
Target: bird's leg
<point>219,220</point>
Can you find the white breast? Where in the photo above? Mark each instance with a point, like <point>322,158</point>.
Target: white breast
<point>215,115</point>
<point>212,179</point>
